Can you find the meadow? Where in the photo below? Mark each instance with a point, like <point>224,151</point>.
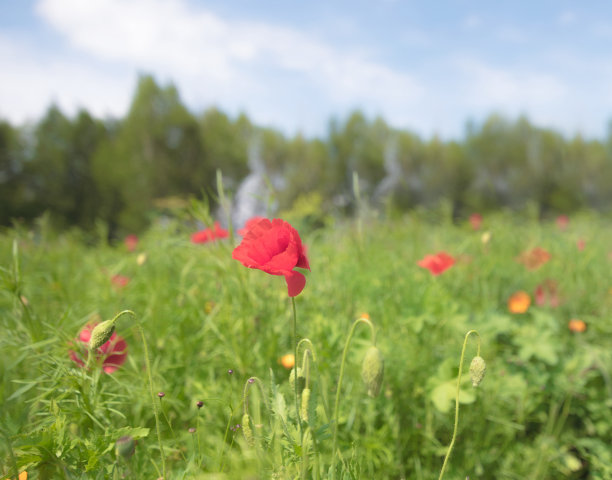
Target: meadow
<point>210,341</point>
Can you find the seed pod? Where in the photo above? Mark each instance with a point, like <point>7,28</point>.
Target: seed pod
<point>101,334</point>
<point>246,430</point>
<point>305,400</point>
<point>372,370</point>
<point>300,376</point>
<point>478,368</point>
<point>125,446</point>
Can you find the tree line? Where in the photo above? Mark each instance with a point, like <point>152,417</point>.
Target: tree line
<point>83,169</point>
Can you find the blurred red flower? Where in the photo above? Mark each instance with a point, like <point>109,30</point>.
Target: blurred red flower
<point>546,294</point>
<point>475,220</point>
<point>580,244</point>
<point>534,258</point>
<point>276,248</point>
<point>562,222</point>
<point>120,281</point>
<point>209,234</point>
<point>131,242</point>
<point>248,224</point>
<point>437,263</point>
<point>112,354</point>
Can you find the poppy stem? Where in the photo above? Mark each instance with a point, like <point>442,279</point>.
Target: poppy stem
<point>339,387</point>
<point>155,406</point>
<point>295,347</point>
<point>452,443</point>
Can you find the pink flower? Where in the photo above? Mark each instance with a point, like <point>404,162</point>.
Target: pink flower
<point>438,263</point>
<point>112,354</point>
<point>475,220</point>
<point>580,244</point>
<point>248,225</point>
<point>120,281</point>
<point>131,242</point>
<point>209,234</point>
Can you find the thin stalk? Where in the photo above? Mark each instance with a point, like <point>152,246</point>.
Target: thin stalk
<point>338,388</point>
<point>227,429</point>
<point>452,443</point>
<point>295,384</point>
<point>153,402</point>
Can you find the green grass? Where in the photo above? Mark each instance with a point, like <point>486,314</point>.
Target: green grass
<point>541,412</point>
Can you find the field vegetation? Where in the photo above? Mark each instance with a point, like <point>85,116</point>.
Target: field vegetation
<point>207,341</point>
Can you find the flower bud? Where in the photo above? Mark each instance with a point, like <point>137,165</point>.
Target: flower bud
<point>372,370</point>
<point>125,446</point>
<point>305,400</point>
<point>246,430</point>
<point>101,334</point>
<point>300,376</point>
<point>478,368</point>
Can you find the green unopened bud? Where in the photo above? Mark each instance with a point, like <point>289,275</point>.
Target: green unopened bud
<point>305,400</point>
<point>300,376</point>
<point>478,367</point>
<point>246,430</point>
<point>101,334</point>
<point>125,446</point>
<point>372,370</point>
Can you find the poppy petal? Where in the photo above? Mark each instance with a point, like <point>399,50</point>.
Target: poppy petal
<point>295,283</point>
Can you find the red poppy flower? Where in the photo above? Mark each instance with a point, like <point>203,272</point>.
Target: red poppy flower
<point>580,244</point>
<point>120,281</point>
<point>276,248</point>
<point>131,242</point>
<point>546,293</point>
<point>475,220</point>
<point>562,222</point>
<point>113,353</point>
<point>248,224</point>
<point>209,234</point>
<point>437,263</point>
<point>534,258</point>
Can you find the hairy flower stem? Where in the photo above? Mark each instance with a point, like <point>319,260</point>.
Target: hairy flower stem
<point>295,384</point>
<point>340,377</point>
<point>153,402</point>
<point>452,443</point>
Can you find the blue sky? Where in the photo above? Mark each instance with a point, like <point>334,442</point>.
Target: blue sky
<point>423,66</point>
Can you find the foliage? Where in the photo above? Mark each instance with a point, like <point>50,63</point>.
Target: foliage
<point>83,169</point>
<point>541,412</point>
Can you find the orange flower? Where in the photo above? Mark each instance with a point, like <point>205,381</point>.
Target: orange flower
<point>577,326</point>
<point>519,302</point>
<point>22,476</point>
<point>365,315</point>
<point>534,258</point>
<point>287,361</point>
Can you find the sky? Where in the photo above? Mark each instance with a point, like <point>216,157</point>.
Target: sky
<point>427,67</point>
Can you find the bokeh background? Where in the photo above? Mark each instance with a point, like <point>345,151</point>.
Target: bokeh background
<point>114,111</point>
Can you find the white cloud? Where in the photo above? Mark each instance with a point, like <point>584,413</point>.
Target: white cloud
<point>224,60</point>
<point>32,81</point>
